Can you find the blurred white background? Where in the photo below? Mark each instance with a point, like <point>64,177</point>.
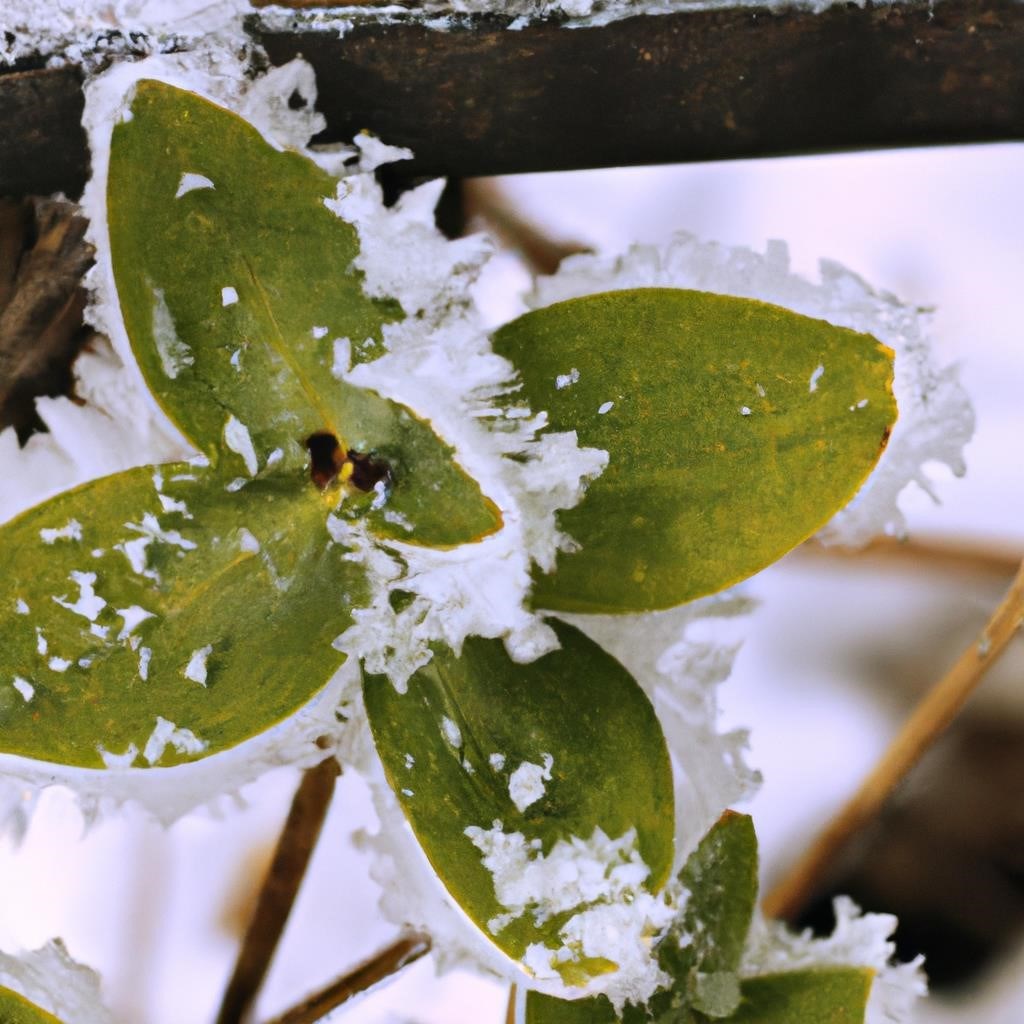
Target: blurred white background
<point>159,912</point>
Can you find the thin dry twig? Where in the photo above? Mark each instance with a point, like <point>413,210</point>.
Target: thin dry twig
<point>486,199</point>
<point>280,888</point>
<point>940,553</point>
<point>383,965</point>
<point>510,1012</point>
<point>928,721</point>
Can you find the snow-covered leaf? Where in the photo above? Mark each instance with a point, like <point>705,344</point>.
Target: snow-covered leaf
<point>701,952</point>
<point>734,430</point>
<point>14,1009</point>
<point>539,792</point>
<point>705,950</point>
<point>825,995</point>
<point>155,616</point>
<point>244,309</point>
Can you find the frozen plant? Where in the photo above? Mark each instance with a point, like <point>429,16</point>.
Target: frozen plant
<point>390,536</point>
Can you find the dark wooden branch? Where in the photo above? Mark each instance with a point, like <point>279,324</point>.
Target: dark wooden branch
<point>696,85</point>
<point>280,888</point>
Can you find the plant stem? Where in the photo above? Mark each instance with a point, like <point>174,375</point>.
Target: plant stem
<point>277,896</point>
<point>925,725</point>
<point>378,968</point>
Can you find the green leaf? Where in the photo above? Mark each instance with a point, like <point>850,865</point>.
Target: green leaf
<point>235,281</point>
<point>157,594</point>
<point>824,995</point>
<point>734,430</point>
<point>720,877</point>
<point>15,1009</point>
<point>472,730</point>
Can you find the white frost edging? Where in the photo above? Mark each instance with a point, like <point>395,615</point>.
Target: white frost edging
<point>49,978</point>
<point>935,416</point>
<point>167,794</point>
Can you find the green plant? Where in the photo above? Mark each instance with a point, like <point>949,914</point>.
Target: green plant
<point>167,613</point>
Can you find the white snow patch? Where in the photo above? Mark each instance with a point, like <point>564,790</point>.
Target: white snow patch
<point>247,542</point>
<point>239,440</point>
<point>72,530</point>
<point>21,607</point>
<point>497,762</point>
<point>119,761</point>
<point>744,410</point>
<point>812,384</point>
<point>601,880</point>
<point>165,734</point>
<point>24,687</point>
<point>89,604</point>
<point>190,182</point>
<point>228,295</point>
<point>604,407</point>
<point>452,733</point>
<point>56,664</point>
<point>42,646</point>
<point>319,332</point>
<point>175,355</point>
<point>564,380</point>
<point>196,670</point>
<point>133,617</point>
<point>526,783</point>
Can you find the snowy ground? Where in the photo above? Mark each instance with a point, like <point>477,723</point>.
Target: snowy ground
<point>938,227</point>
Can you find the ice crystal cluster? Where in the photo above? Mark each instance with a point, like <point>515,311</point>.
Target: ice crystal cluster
<point>439,362</point>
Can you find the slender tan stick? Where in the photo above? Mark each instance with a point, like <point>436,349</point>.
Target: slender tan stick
<point>287,870</point>
<point>943,553</point>
<point>378,968</point>
<point>510,1013</point>
<point>928,721</point>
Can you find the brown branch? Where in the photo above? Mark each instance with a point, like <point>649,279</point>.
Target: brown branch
<point>485,199</point>
<point>510,1010</point>
<point>712,84</point>
<point>379,968</point>
<point>928,721</point>
<point>43,256</point>
<point>280,888</point>
<point>943,554</point>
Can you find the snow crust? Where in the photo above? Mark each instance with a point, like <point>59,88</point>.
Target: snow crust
<point>935,416</point>
<point>92,32</point>
<point>49,978</point>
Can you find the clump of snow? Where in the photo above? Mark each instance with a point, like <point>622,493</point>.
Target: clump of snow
<point>860,940</point>
<point>49,978</point>
<point>599,880</point>
<point>935,417</point>
<point>526,783</point>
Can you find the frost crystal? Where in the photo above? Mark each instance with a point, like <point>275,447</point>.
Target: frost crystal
<point>49,978</point>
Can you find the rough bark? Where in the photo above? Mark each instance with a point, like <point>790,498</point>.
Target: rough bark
<point>697,85</point>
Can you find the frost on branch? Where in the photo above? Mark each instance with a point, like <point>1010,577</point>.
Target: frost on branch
<point>49,978</point>
<point>935,417</point>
